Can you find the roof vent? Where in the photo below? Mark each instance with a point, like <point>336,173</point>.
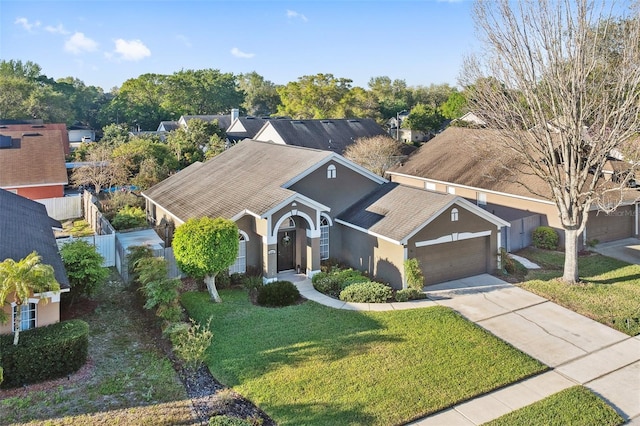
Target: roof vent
<point>38,126</point>
<point>296,122</point>
<point>353,121</point>
<point>5,141</point>
<point>31,134</point>
<point>326,121</point>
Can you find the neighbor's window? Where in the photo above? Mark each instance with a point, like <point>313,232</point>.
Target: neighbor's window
<point>324,238</point>
<point>430,186</point>
<point>454,215</point>
<point>451,189</point>
<point>240,266</point>
<point>331,172</point>
<point>27,318</point>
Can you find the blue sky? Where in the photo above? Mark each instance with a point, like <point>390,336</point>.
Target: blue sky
<point>106,42</point>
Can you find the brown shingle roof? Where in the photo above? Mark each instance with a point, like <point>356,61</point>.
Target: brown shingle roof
<point>395,211</point>
<point>473,157</point>
<point>36,157</point>
<point>248,176</point>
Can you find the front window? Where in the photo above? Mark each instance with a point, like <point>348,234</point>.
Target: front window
<point>240,265</point>
<point>454,215</point>
<point>27,317</point>
<point>324,238</point>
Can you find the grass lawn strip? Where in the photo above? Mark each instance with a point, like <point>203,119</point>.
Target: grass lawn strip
<point>574,406</point>
<point>609,291</point>
<point>310,364</point>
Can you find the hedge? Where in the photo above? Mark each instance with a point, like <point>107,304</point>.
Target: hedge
<point>44,353</point>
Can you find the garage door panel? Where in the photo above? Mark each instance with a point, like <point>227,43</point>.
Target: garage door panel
<point>614,226</point>
<point>450,261</point>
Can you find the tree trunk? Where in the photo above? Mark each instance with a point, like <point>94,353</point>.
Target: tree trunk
<point>210,281</point>
<point>17,322</point>
<point>570,275</point>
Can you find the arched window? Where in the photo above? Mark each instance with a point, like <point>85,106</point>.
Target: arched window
<point>240,266</point>
<point>324,238</point>
<point>454,215</point>
<point>331,172</point>
<point>27,318</point>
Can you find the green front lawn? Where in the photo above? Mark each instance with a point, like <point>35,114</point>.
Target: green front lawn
<point>574,406</point>
<point>609,291</point>
<point>313,365</point>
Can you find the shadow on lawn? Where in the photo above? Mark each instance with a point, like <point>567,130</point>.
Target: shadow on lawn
<point>328,414</point>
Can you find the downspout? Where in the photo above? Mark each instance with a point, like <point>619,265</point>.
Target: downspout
<point>404,273</point>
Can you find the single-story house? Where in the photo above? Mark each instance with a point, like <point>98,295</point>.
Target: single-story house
<point>25,227</point>
<point>32,160</point>
<point>295,207</point>
<point>470,163</point>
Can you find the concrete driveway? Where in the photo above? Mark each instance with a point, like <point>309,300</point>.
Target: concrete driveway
<point>578,349</point>
<point>627,250</point>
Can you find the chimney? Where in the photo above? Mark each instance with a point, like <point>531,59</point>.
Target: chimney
<point>235,113</point>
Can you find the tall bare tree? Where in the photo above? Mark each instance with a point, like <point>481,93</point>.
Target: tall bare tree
<point>562,100</point>
<point>101,170</point>
<point>376,153</point>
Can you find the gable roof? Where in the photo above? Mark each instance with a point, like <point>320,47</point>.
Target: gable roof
<point>246,127</point>
<point>250,176</point>
<point>25,227</point>
<point>384,212</point>
<point>35,158</point>
<point>332,135</point>
<point>168,126</point>
<point>224,120</point>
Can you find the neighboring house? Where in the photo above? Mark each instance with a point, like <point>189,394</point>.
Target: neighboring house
<point>470,163</point>
<point>246,128</point>
<point>24,228</point>
<point>168,126</point>
<point>329,135</point>
<point>223,120</point>
<point>79,134</point>
<point>32,160</point>
<point>295,207</point>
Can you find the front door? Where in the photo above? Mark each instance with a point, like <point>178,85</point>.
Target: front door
<point>286,250</point>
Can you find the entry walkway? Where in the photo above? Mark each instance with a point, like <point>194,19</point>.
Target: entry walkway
<point>578,349</point>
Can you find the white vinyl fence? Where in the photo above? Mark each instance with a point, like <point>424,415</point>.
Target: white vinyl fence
<point>62,208</point>
<point>104,244</point>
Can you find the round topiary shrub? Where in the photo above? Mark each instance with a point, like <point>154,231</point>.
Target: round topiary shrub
<point>367,292</point>
<point>545,237</point>
<point>278,293</point>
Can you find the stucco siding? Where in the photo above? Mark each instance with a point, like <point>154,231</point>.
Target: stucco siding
<point>254,245</point>
<point>381,259</point>
<point>339,193</point>
<point>46,314</point>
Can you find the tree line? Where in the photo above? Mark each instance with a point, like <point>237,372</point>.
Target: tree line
<point>142,103</point>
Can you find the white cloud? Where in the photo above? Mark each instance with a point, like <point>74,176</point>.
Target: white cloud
<point>131,50</point>
<point>292,14</point>
<point>24,22</point>
<point>79,43</point>
<point>56,30</point>
<point>240,54</point>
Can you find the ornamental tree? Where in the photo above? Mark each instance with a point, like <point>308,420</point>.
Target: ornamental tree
<point>84,268</point>
<point>204,247</point>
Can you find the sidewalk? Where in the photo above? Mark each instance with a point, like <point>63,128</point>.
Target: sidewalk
<point>578,349</point>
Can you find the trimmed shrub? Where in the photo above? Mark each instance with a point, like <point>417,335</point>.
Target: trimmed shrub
<point>407,294</point>
<point>278,293</point>
<point>415,278</point>
<point>545,237</point>
<point>129,217</point>
<point>84,268</point>
<point>236,279</point>
<point>44,353</point>
<point>336,280</point>
<point>252,282</point>
<point>367,292</point>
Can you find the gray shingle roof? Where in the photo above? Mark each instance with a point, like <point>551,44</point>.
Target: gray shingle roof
<point>395,211</point>
<point>25,227</point>
<point>333,134</point>
<point>251,124</point>
<point>224,120</point>
<point>247,176</point>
